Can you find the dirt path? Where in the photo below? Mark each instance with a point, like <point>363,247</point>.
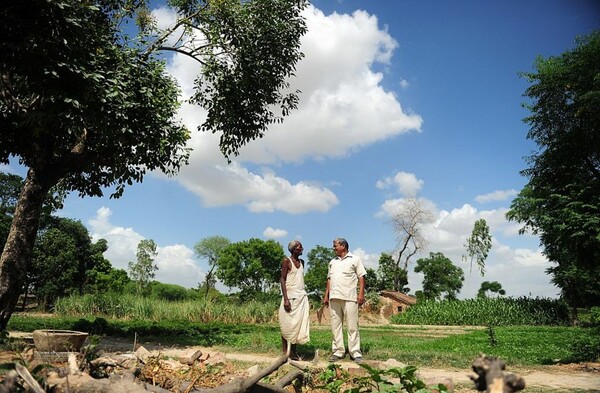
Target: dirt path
<point>577,377</point>
<point>570,377</point>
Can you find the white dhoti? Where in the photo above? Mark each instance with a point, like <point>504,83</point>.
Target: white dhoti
<point>295,326</point>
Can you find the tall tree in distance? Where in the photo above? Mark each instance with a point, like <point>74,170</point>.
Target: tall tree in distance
<point>210,248</point>
<point>142,271</point>
<point>478,245</point>
<point>87,105</point>
<point>561,201</point>
<point>389,277</point>
<point>408,225</point>
<point>490,287</point>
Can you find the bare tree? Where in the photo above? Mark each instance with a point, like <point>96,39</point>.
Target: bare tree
<point>408,225</point>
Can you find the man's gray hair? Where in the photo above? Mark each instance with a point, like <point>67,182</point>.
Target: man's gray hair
<point>293,245</point>
<point>342,241</point>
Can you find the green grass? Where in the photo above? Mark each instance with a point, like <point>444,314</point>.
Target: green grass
<point>418,346</point>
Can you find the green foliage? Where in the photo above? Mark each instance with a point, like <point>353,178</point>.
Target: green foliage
<point>332,378</point>
<point>253,266</point>
<point>492,335</point>
<point>143,270</point>
<point>487,311</point>
<point>315,278</point>
<point>561,201</point>
<point>479,244</point>
<point>389,276</point>
<point>593,318</point>
<point>10,187</point>
<point>65,261</point>
<point>169,292</point>
<point>210,248</point>
<point>87,106</point>
<point>392,380</point>
<point>128,306</point>
<point>54,267</point>
<point>105,281</point>
<point>585,348</point>
<point>442,277</point>
<point>416,345</point>
<point>256,51</point>
<point>492,287</point>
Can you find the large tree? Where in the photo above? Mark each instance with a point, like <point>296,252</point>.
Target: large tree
<point>252,266</point>
<point>209,248</point>
<point>62,258</point>
<point>561,201</point>
<point>442,279</point>
<point>87,105</point>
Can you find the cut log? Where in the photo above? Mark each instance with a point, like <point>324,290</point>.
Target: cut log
<point>492,378</point>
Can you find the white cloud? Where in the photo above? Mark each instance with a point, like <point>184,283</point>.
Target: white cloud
<point>175,262</point>
<point>272,233</point>
<point>407,183</point>
<point>404,84</point>
<point>369,260</point>
<point>500,195</point>
<point>343,107</point>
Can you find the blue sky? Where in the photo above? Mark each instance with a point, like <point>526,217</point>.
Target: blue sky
<point>399,98</point>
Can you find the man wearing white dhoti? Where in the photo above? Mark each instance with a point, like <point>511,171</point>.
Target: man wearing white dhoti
<point>294,308</point>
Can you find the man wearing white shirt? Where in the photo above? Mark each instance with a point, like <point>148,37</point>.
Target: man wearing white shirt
<point>345,271</point>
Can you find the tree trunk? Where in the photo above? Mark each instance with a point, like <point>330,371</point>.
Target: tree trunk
<point>19,244</point>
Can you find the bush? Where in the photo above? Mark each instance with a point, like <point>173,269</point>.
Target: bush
<point>585,348</point>
<point>169,292</point>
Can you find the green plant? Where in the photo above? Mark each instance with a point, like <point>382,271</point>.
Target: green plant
<point>332,377</point>
<point>492,335</point>
<point>585,348</point>
<point>378,381</point>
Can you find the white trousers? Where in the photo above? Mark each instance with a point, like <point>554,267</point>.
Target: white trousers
<point>340,310</point>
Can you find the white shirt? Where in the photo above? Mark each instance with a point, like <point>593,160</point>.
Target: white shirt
<point>343,275</point>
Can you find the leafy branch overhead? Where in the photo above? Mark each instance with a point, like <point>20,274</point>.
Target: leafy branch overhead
<point>86,103</point>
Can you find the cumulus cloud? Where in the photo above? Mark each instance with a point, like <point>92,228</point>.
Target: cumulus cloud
<point>176,264</point>
<point>343,107</point>
<point>500,195</point>
<point>272,233</point>
<point>407,183</point>
<point>369,260</point>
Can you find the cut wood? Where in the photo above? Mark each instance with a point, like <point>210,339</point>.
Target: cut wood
<point>492,378</point>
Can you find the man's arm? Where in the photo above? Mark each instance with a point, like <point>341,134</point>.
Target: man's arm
<point>285,267</point>
<point>326,296</point>
<point>361,290</point>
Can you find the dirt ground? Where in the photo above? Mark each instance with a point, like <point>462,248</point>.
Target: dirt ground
<point>574,377</point>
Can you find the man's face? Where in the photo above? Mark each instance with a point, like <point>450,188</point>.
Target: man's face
<point>338,249</point>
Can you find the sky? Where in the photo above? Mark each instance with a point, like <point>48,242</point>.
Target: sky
<point>399,99</point>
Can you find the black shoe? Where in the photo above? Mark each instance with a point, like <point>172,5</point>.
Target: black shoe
<point>358,359</point>
<point>335,358</point>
